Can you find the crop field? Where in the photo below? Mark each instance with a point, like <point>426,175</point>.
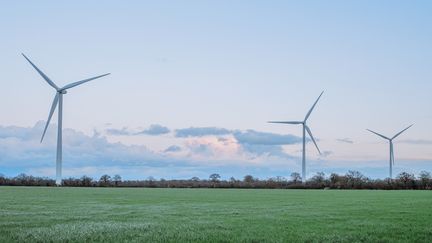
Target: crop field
<point>37,214</point>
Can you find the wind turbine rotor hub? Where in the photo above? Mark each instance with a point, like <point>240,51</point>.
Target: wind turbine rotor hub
<point>63,91</point>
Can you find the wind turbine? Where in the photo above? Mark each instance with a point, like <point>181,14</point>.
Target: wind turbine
<point>391,147</point>
<point>58,100</point>
<point>305,129</point>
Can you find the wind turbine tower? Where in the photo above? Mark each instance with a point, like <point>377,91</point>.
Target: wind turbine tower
<point>305,129</point>
<point>58,101</point>
<point>391,161</point>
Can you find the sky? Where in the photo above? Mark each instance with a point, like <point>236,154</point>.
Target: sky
<point>193,84</point>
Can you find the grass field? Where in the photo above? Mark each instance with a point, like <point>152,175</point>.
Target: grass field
<point>213,215</point>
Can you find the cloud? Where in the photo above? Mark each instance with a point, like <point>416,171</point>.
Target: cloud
<point>211,147</point>
<point>173,149</point>
<point>252,137</point>
<point>94,155</point>
<point>243,137</point>
<point>20,148</point>
<point>229,148</point>
<point>154,130</point>
<point>416,141</point>
<point>229,152</point>
<point>249,144</point>
<point>326,153</point>
<point>345,140</point>
<point>201,131</point>
<point>118,132</point>
<point>257,150</point>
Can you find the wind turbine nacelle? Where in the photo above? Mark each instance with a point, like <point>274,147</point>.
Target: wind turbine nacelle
<point>63,92</point>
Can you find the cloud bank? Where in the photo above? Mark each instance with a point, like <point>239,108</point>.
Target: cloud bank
<point>201,150</point>
<point>194,151</point>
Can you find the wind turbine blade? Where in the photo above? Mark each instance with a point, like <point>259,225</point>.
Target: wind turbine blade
<point>286,122</point>
<point>313,106</point>
<point>49,81</point>
<point>392,152</point>
<point>378,134</point>
<point>71,85</point>
<point>401,132</point>
<point>313,140</point>
<point>53,107</point>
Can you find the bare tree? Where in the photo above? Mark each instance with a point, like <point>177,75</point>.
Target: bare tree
<point>152,181</point>
<point>355,179</point>
<point>105,180</point>
<point>86,181</point>
<point>117,179</point>
<point>425,179</point>
<point>352,179</point>
<point>214,178</point>
<point>318,179</point>
<point>248,179</point>
<point>335,180</point>
<point>406,178</point>
<point>2,179</point>
<point>295,177</point>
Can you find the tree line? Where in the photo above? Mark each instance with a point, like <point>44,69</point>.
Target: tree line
<point>350,180</point>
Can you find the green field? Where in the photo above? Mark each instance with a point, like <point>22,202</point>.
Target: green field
<point>32,214</point>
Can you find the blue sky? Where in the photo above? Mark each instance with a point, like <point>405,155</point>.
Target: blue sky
<point>202,78</point>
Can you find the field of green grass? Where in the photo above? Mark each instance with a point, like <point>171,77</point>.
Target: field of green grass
<point>32,214</point>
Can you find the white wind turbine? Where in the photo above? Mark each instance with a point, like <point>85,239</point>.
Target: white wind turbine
<point>391,147</point>
<point>305,129</point>
<point>58,100</point>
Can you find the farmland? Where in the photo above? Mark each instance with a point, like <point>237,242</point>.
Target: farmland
<point>49,214</point>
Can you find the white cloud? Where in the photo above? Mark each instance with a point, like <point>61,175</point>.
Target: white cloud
<point>21,151</point>
<point>235,153</point>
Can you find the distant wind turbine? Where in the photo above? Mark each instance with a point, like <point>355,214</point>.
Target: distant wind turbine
<point>305,129</point>
<point>391,147</point>
<point>58,99</point>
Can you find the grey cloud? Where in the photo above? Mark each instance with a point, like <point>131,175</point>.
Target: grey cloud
<point>345,140</point>
<point>203,149</point>
<point>155,129</point>
<point>118,132</point>
<point>326,153</point>
<point>264,138</point>
<point>201,131</point>
<point>172,149</point>
<point>21,151</point>
<point>252,142</point>
<point>243,137</point>
<point>20,147</point>
<point>24,133</point>
<point>268,150</point>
